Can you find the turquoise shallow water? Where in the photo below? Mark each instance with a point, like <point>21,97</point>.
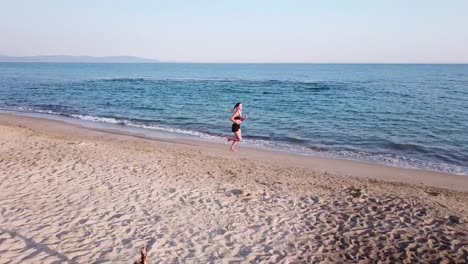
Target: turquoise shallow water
<point>400,115</point>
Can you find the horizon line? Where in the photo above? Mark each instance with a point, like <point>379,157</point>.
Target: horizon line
<point>153,60</point>
<point>199,62</point>
<point>194,62</point>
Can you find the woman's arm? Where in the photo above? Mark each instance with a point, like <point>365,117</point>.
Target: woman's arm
<point>234,115</point>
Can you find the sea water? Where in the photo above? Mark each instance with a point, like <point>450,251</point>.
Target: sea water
<point>401,115</point>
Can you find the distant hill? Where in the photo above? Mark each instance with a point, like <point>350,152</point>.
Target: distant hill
<point>68,58</point>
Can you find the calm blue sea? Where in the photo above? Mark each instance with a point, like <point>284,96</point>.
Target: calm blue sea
<point>401,115</point>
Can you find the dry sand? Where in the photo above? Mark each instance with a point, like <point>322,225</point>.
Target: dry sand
<point>74,195</point>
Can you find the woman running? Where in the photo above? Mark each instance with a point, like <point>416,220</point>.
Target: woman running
<point>236,120</point>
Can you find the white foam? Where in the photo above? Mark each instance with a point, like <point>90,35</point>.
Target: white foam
<point>384,159</point>
<point>97,119</point>
<point>26,109</point>
<point>146,126</point>
<point>173,130</point>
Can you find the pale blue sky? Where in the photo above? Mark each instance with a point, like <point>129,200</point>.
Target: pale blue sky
<point>240,30</point>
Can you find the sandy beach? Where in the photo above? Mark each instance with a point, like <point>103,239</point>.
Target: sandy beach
<point>74,195</point>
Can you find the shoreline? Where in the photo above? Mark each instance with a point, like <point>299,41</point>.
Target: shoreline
<point>78,195</point>
<point>349,168</point>
<point>128,126</point>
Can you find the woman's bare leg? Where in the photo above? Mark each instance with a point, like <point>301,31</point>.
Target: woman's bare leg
<point>238,139</point>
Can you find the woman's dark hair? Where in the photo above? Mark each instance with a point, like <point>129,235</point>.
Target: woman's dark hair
<point>235,106</point>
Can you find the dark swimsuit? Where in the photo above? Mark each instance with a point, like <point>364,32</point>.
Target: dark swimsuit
<point>236,127</point>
